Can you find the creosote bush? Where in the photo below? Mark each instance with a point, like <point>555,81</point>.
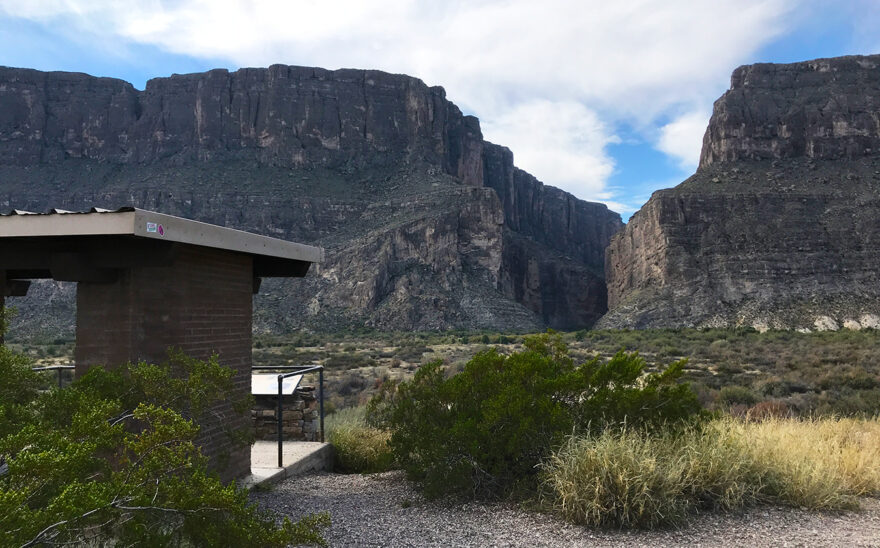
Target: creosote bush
<point>112,460</point>
<point>482,432</point>
<point>625,478</point>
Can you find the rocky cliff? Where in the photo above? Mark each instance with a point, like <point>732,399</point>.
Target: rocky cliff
<point>779,226</point>
<point>426,225</point>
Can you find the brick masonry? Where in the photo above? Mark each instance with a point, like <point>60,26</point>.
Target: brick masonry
<point>202,303</point>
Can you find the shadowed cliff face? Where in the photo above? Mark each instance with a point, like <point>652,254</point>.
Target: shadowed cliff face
<point>778,227</point>
<point>551,240</point>
<point>426,226</point>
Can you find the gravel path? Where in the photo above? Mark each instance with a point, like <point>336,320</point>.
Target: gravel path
<point>385,510</point>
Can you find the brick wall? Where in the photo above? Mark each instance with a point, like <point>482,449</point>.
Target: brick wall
<point>202,303</point>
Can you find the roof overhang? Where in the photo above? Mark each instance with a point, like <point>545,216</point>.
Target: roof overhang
<point>64,244</point>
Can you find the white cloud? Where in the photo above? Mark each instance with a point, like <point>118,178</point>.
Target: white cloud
<point>555,63</point>
<point>564,141</point>
<point>682,138</point>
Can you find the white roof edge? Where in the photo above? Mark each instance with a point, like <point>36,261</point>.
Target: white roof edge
<point>148,224</point>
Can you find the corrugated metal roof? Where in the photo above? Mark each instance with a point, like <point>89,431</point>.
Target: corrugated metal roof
<point>66,212</point>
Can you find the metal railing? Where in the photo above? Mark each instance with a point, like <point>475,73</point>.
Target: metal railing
<point>293,371</point>
<point>290,371</point>
<point>58,368</point>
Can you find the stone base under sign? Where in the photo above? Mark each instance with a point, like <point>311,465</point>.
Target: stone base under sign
<point>300,416</point>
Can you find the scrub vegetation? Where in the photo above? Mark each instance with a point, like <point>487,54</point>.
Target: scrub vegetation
<point>609,428</point>
<point>732,370</point>
<point>112,460</point>
<point>615,442</point>
<point>784,373</point>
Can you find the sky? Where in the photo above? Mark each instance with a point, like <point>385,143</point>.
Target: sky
<point>605,99</point>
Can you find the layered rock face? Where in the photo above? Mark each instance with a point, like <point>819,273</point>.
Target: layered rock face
<point>778,228</point>
<point>551,239</point>
<point>426,226</point>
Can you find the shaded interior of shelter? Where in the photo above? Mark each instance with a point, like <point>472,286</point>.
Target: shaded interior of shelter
<point>137,297</point>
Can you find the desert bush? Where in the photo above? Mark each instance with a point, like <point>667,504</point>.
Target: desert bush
<point>767,409</point>
<point>358,447</point>
<point>412,352</point>
<point>112,460</point>
<point>778,388</point>
<point>351,383</point>
<point>348,361</point>
<point>18,387</point>
<point>856,379</point>
<point>626,478</point>
<point>482,432</point>
<point>729,369</point>
<point>734,394</point>
<point>706,395</point>
<point>848,402</point>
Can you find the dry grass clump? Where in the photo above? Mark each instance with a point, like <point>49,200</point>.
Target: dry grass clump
<point>359,448</point>
<point>630,479</point>
<point>819,463</point>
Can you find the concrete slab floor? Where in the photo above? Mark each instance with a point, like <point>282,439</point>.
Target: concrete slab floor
<point>299,457</point>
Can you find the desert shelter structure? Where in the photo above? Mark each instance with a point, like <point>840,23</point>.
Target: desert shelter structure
<point>147,282</point>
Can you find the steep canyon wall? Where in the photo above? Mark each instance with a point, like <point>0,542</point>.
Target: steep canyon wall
<point>779,226</point>
<point>426,225</point>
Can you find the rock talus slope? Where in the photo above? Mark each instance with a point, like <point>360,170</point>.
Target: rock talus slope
<point>779,226</point>
<point>426,225</point>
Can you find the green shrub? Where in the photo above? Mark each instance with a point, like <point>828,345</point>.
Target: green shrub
<point>112,460</point>
<point>482,432</point>
<point>18,387</point>
<point>358,447</point>
<point>735,394</point>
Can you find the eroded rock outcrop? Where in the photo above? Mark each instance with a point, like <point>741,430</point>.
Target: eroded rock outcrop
<point>779,226</point>
<point>426,225</point>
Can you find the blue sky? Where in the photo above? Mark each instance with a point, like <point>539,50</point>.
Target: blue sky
<point>606,101</point>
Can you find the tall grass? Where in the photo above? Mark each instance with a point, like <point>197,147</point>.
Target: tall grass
<point>630,479</point>
<point>358,448</point>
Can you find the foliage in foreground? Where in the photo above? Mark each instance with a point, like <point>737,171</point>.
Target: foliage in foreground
<point>358,447</point>
<point>111,459</point>
<point>630,479</point>
<point>482,432</point>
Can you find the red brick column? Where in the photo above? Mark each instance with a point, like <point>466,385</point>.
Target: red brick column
<point>202,303</point>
